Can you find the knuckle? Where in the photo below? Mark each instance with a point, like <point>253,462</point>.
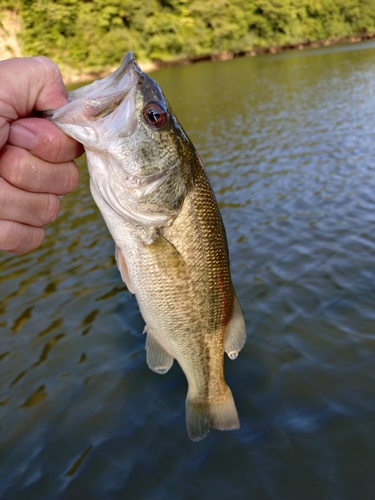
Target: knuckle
<point>13,163</point>
<point>52,208</point>
<point>18,238</point>
<point>50,68</point>
<point>10,237</point>
<point>66,178</point>
<point>72,177</point>
<point>3,195</point>
<point>18,173</point>
<point>59,149</point>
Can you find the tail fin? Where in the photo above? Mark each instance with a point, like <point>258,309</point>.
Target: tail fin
<point>201,416</point>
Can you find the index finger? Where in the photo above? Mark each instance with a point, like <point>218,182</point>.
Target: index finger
<point>44,140</point>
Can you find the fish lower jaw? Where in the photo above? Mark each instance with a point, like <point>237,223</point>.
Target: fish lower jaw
<point>134,181</point>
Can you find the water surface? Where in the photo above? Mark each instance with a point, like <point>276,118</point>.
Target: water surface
<point>288,141</point>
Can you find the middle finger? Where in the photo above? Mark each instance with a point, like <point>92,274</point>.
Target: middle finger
<point>30,173</point>
<point>33,209</point>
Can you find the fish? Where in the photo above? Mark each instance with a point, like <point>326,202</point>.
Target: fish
<point>152,190</point>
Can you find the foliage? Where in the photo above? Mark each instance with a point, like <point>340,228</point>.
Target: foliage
<point>95,33</point>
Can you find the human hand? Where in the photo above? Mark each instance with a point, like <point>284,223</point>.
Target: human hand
<point>36,158</point>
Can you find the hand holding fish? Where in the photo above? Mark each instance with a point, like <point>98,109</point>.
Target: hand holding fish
<point>36,158</point>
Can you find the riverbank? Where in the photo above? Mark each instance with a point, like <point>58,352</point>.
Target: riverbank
<point>72,76</point>
<point>10,28</point>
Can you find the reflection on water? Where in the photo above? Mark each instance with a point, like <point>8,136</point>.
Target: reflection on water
<point>288,141</point>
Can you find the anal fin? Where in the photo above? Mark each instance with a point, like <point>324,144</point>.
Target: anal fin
<point>158,359</point>
<point>236,332</point>
<point>123,268</point>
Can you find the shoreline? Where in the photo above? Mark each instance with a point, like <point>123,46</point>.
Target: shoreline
<point>72,76</point>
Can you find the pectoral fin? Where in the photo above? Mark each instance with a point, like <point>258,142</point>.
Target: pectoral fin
<point>123,268</point>
<point>158,359</point>
<point>168,257</point>
<point>236,332</point>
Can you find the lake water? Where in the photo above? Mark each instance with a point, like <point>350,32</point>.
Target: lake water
<point>288,141</point>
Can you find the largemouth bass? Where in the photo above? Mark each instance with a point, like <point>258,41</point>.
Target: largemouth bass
<point>152,190</point>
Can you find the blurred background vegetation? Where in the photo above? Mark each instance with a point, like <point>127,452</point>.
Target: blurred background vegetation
<point>94,34</point>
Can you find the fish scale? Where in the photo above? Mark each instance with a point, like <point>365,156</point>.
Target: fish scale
<point>171,249</point>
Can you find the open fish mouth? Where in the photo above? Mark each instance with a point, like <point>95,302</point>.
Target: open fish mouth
<point>111,88</point>
<point>98,100</point>
<point>110,83</point>
<point>101,97</point>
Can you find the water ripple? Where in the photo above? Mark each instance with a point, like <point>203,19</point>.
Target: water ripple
<point>288,141</point>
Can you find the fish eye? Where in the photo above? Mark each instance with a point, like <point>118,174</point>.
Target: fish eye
<point>155,114</point>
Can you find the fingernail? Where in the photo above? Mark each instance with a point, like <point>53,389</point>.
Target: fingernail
<point>21,137</point>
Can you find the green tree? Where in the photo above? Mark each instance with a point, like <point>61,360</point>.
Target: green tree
<point>94,34</point>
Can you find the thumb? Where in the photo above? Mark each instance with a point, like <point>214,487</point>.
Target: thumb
<point>53,93</point>
<point>30,83</point>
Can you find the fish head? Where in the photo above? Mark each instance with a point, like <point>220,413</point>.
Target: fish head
<point>133,141</point>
